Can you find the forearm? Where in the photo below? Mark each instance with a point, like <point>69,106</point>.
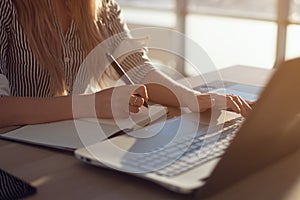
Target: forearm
<point>160,94</point>
<point>163,90</point>
<point>23,110</point>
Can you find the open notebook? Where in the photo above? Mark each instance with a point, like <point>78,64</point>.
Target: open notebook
<point>74,134</point>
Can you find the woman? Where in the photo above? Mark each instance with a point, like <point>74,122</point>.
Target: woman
<point>43,44</point>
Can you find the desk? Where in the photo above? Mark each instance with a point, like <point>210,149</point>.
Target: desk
<point>58,175</point>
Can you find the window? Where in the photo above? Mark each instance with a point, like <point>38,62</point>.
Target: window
<point>234,31</point>
<point>293,31</point>
<point>149,13</point>
<point>258,33</point>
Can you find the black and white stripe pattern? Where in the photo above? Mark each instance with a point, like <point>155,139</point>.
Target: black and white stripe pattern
<point>12,187</point>
<point>21,68</point>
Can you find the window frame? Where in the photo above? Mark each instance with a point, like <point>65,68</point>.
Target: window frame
<point>281,19</point>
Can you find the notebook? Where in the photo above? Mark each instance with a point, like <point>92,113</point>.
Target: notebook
<point>74,134</point>
<point>216,154</point>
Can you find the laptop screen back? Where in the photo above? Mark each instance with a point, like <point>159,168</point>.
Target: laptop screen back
<point>271,132</point>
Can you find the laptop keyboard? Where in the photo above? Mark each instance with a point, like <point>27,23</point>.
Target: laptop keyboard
<point>197,151</point>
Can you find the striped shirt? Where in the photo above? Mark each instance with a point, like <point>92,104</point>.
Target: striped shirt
<point>22,75</point>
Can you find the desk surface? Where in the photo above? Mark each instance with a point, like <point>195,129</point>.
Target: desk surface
<point>58,175</point>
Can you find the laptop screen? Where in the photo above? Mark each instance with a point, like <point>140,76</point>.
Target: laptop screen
<point>247,92</point>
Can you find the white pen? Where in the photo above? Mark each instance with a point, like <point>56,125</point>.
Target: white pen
<point>122,73</point>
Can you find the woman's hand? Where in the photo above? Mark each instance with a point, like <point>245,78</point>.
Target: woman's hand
<point>203,102</point>
<point>118,102</point>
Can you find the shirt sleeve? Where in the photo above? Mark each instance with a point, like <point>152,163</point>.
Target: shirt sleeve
<point>4,86</point>
<point>5,20</point>
<point>136,64</point>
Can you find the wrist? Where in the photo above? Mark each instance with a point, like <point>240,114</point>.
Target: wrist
<point>190,99</point>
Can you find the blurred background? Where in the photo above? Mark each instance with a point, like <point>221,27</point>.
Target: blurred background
<point>259,33</point>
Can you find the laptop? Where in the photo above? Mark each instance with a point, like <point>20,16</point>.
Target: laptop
<point>226,151</point>
<point>248,92</point>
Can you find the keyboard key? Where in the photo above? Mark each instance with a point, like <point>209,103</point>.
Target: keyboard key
<point>186,153</point>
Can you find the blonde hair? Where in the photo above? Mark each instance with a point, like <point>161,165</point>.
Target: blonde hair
<point>37,22</point>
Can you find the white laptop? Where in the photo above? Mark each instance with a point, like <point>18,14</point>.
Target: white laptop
<point>185,156</point>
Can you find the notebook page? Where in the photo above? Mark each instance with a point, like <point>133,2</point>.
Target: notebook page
<point>74,134</point>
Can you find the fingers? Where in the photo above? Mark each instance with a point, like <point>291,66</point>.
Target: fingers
<point>142,92</point>
<point>135,103</point>
<point>231,102</point>
<point>124,100</point>
<point>251,103</point>
<point>133,100</point>
<point>245,107</point>
<point>137,99</point>
<point>238,105</point>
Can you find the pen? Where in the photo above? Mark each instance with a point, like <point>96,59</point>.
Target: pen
<point>122,73</point>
